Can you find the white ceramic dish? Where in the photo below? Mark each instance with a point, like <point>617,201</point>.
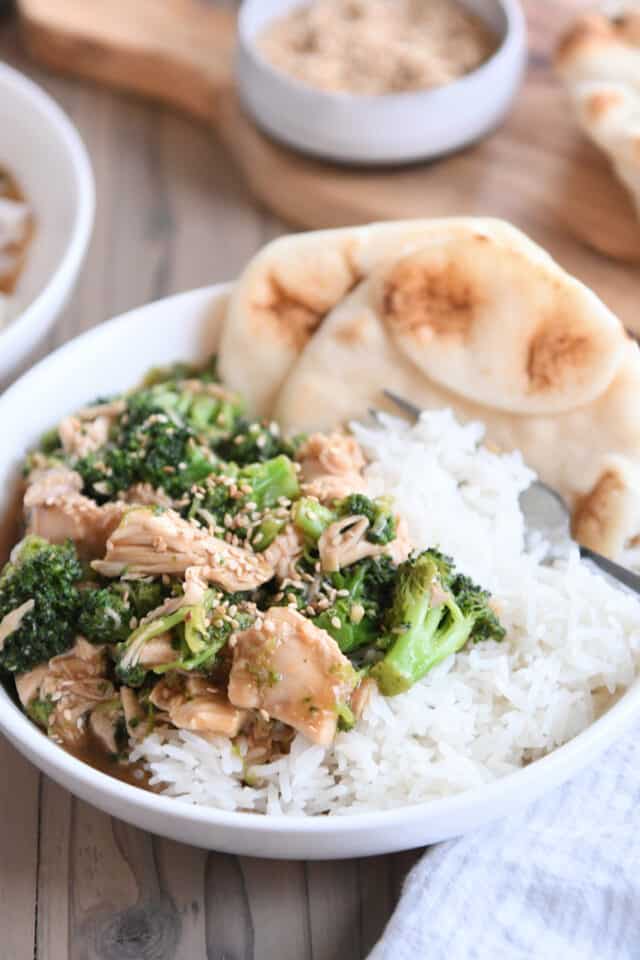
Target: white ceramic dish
<point>184,327</point>
<point>43,151</point>
<point>391,129</point>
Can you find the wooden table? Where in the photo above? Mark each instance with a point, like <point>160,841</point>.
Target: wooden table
<point>171,215</point>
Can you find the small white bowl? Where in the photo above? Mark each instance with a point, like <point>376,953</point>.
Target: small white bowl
<point>110,358</point>
<point>44,152</point>
<point>387,129</point>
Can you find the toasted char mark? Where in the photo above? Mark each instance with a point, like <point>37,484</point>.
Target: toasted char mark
<point>592,512</point>
<point>600,103</point>
<point>555,355</point>
<point>352,333</point>
<point>427,301</point>
<point>589,32</point>
<point>290,318</point>
<point>295,318</point>
<point>627,26</point>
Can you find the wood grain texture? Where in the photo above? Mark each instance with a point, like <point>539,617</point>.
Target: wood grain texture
<point>180,52</point>
<point>173,213</point>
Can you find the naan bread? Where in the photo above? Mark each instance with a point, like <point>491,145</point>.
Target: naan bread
<point>587,446</point>
<point>498,324</point>
<point>285,292</point>
<point>599,61</point>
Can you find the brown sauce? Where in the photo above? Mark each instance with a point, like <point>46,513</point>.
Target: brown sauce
<point>95,756</point>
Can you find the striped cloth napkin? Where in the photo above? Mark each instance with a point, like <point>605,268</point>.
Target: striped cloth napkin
<point>560,881</point>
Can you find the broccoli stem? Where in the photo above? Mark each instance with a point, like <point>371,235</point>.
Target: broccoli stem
<point>311,518</point>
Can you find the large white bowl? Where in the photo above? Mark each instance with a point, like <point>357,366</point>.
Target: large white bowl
<point>42,148</point>
<point>110,358</point>
<point>389,129</point>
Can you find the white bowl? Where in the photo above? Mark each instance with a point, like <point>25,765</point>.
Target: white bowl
<point>110,358</point>
<point>388,129</point>
<point>46,155</point>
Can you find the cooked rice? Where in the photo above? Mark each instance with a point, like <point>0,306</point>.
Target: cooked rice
<point>572,644</point>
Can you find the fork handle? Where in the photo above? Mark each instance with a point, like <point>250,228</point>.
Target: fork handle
<point>624,576</point>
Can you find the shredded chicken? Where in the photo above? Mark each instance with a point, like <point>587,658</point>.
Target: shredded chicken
<point>362,697</point>
<point>80,437</point>
<point>157,652</point>
<point>331,466</point>
<point>150,543</point>
<point>400,548</point>
<point>75,682</point>
<point>283,553</point>
<point>55,510</point>
<point>292,670</point>
<point>198,705</point>
<point>103,723</point>
<point>12,620</point>
<point>144,495</point>
<point>345,542</point>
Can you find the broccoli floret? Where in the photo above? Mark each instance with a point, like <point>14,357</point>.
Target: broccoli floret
<point>105,613</point>
<point>199,633</point>
<point>312,518</point>
<point>48,575</point>
<point>426,623</point>
<point>252,441</point>
<point>379,513</point>
<point>355,618</point>
<point>256,488</point>
<point>39,710</point>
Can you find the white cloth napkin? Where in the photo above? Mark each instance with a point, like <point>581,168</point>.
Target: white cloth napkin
<point>561,881</point>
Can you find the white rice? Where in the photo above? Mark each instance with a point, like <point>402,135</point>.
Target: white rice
<point>573,643</point>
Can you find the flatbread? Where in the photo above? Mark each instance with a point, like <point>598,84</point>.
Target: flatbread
<point>599,62</point>
<point>589,452</point>
<point>285,292</point>
<point>499,324</point>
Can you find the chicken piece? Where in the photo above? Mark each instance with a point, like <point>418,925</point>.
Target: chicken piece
<point>193,703</point>
<point>345,542</point>
<point>75,682</point>
<point>28,684</point>
<point>362,697</point>
<point>157,652</point>
<point>105,724</point>
<point>266,740</point>
<point>55,510</point>
<point>292,670</point>
<point>80,437</point>
<point>89,428</point>
<point>152,543</point>
<point>334,453</point>
<point>144,495</point>
<point>331,466</point>
<point>284,552</point>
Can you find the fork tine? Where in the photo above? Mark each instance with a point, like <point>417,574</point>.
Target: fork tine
<point>403,404</point>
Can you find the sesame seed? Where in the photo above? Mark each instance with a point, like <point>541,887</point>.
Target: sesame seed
<point>261,442</point>
<point>336,622</point>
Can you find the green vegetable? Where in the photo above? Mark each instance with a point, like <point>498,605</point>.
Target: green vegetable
<point>355,620</point>
<point>105,613</point>
<point>379,513</point>
<point>253,441</point>
<point>39,710</point>
<point>427,621</point>
<point>312,518</point>
<point>47,574</point>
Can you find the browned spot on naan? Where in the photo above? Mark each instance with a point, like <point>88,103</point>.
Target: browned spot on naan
<point>352,334</point>
<point>555,358</point>
<point>427,300</point>
<point>592,512</point>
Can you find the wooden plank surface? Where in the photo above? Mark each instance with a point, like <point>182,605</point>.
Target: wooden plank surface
<point>172,214</point>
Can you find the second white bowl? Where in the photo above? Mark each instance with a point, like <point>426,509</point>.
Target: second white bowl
<point>46,155</point>
<point>388,129</point>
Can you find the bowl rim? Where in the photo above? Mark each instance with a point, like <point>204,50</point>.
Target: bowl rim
<point>75,774</point>
<point>55,286</point>
<point>513,36</point>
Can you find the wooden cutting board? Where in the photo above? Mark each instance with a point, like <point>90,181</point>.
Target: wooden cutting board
<point>536,170</point>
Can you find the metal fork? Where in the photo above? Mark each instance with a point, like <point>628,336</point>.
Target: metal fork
<point>544,509</point>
